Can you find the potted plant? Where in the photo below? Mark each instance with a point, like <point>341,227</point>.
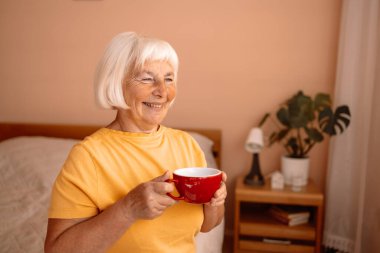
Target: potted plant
<point>301,123</point>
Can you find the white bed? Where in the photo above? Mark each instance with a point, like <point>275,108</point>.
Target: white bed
<point>30,159</point>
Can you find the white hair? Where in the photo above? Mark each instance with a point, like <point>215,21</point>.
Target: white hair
<point>125,54</point>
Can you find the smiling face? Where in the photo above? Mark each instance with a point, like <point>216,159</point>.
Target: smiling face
<point>149,94</point>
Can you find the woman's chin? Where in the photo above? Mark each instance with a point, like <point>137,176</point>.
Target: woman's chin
<point>155,118</point>
<point>153,124</point>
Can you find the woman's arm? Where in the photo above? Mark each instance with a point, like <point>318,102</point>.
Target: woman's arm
<point>97,234</point>
<point>214,210</point>
<point>94,234</point>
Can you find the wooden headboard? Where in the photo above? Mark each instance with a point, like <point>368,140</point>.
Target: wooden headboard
<point>9,130</point>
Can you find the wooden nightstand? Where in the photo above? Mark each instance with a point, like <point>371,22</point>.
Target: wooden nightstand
<point>253,222</point>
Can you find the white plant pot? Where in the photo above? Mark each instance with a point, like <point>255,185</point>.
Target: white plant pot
<point>295,170</point>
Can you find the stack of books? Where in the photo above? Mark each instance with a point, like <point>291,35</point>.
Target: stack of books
<point>290,215</point>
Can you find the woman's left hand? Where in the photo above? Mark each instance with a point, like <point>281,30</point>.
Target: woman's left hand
<point>221,194</point>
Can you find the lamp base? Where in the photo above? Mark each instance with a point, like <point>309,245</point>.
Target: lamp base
<point>255,177</point>
<point>256,180</point>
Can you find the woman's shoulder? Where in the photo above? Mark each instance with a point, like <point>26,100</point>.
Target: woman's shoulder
<point>181,136</point>
<point>90,141</point>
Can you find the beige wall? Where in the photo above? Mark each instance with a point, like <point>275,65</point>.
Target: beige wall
<point>238,60</point>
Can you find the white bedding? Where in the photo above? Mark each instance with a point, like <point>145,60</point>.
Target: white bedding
<point>28,167</point>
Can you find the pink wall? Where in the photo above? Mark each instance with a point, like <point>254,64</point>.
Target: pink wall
<point>238,60</point>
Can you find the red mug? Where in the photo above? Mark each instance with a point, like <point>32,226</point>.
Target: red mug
<point>196,185</point>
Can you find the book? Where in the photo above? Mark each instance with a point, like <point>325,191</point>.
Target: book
<point>290,216</point>
<point>298,221</point>
<point>292,222</point>
<point>289,212</point>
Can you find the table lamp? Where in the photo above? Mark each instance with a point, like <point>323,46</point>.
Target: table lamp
<point>254,144</point>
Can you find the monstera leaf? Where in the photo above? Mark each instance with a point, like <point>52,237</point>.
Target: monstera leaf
<point>297,112</point>
<point>334,123</point>
<point>322,101</point>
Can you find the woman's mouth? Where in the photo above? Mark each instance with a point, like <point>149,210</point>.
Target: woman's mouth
<point>153,105</point>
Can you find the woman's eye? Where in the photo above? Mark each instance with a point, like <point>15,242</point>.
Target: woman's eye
<point>169,80</point>
<point>147,80</point>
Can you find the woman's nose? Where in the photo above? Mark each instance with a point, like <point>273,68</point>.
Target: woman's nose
<point>160,89</point>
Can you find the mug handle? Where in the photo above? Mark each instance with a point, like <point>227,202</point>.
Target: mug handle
<point>169,194</point>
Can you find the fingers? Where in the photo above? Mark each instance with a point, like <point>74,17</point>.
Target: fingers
<point>159,202</point>
<point>218,200</point>
<point>165,202</point>
<point>163,177</point>
<point>220,195</point>
<point>221,192</point>
<point>149,200</point>
<point>216,203</point>
<point>162,187</point>
<point>224,177</point>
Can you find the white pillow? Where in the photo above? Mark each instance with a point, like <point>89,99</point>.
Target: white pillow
<point>206,146</point>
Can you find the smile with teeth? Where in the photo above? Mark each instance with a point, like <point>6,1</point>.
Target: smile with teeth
<point>153,105</point>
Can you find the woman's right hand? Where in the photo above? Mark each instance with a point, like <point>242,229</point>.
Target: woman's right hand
<point>148,200</point>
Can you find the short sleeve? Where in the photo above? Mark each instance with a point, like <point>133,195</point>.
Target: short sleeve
<point>75,191</point>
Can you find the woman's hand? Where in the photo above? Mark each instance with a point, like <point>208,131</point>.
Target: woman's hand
<point>149,200</point>
<point>221,194</point>
<point>214,210</point>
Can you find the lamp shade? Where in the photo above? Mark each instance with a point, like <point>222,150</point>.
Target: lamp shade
<point>255,140</point>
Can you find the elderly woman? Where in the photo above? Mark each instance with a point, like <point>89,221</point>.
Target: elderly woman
<point>111,194</point>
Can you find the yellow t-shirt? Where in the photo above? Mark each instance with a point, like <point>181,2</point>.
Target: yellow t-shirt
<point>105,166</point>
